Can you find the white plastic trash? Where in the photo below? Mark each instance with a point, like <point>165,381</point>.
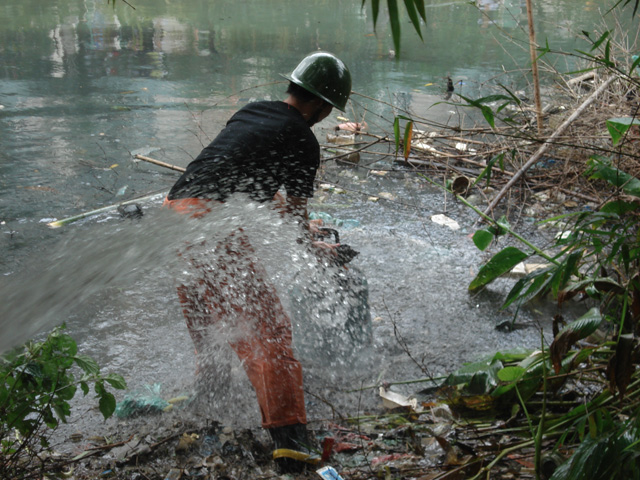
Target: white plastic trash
<point>329,473</point>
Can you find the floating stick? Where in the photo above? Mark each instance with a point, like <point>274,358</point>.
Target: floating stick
<point>158,162</point>
<point>108,208</point>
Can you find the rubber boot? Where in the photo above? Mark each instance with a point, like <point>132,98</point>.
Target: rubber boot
<point>292,437</point>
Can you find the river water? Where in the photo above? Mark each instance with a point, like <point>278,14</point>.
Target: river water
<point>85,85</point>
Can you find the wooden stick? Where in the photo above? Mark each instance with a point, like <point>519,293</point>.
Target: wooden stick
<point>158,162</point>
<point>547,143</point>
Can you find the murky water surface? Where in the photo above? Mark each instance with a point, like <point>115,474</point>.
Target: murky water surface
<point>84,86</point>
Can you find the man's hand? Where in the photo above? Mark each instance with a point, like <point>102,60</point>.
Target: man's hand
<point>314,226</point>
<point>325,251</point>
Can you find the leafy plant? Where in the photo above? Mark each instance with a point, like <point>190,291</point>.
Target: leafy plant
<point>598,253</point>
<point>609,452</point>
<point>37,382</point>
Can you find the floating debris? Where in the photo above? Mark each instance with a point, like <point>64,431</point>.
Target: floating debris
<point>341,139</point>
<point>441,219</point>
<point>393,400</point>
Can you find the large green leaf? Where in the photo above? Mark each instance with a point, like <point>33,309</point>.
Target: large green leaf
<point>511,374</point>
<point>107,404</point>
<point>88,364</point>
<point>599,168</point>
<point>501,263</point>
<point>577,330</point>
<point>585,325</point>
<point>529,286</point>
<point>618,127</point>
<point>605,457</point>
<point>116,381</point>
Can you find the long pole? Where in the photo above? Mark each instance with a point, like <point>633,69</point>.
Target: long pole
<point>534,67</point>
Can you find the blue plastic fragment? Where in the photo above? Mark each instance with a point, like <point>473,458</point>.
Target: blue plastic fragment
<point>346,223</point>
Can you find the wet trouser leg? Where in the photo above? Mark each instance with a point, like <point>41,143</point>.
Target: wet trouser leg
<point>235,289</point>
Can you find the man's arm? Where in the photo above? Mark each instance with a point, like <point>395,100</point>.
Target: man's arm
<point>297,208</point>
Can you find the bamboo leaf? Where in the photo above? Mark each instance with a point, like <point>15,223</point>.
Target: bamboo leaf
<point>567,270</point>
<point>375,10</point>
<point>394,20</point>
<point>636,63</point>
<point>396,132</point>
<point>413,16</point>
<point>600,40</point>
<point>408,131</point>
<point>488,169</point>
<point>487,112</point>
<point>421,10</point>
<point>534,283</point>
<point>511,94</point>
<point>501,263</point>
<point>607,54</point>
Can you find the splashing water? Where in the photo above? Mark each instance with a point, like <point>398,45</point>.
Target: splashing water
<point>115,285</point>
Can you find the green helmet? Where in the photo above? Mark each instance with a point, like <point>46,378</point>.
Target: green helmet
<point>324,75</point>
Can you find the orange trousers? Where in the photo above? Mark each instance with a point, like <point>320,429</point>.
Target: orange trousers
<point>232,287</point>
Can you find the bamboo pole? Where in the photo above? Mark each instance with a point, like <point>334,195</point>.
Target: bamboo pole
<point>534,66</point>
<point>108,208</point>
<point>547,143</point>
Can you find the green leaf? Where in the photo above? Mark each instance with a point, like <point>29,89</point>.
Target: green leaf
<point>635,65</point>
<point>394,20</point>
<point>488,169</point>
<point>600,169</point>
<point>567,270</point>
<point>501,263</point>
<point>512,95</point>
<point>535,282</point>
<point>413,16</point>
<point>408,131</point>
<point>511,374</point>
<point>479,103</point>
<point>107,404</point>
<point>62,410</point>
<point>116,381</point>
<point>487,113</point>
<point>375,10</point>
<point>619,207</point>
<point>607,55</point>
<point>88,364</point>
<point>598,42</point>
<point>421,10</point>
<point>482,239</point>
<point>396,132</point>
<point>618,127</point>
<point>585,325</point>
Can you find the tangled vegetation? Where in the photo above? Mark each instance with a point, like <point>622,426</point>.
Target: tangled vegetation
<point>37,381</point>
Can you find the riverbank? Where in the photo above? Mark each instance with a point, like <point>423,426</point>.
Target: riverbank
<point>426,439</point>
